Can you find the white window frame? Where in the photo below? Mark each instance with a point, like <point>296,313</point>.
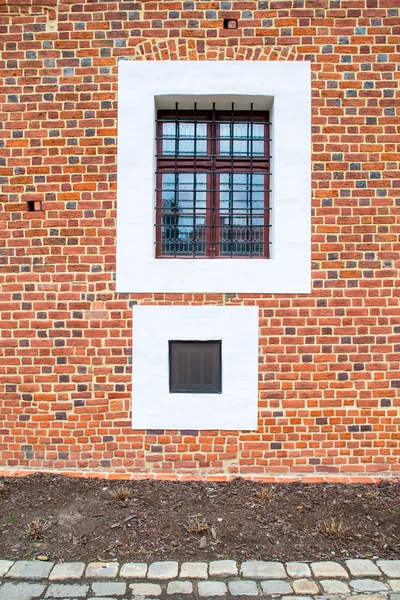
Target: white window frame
<point>155,407</point>
<point>283,88</point>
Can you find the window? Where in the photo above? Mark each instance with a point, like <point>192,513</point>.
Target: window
<point>195,367</point>
<point>213,173</point>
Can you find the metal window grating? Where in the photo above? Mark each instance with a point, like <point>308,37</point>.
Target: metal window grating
<point>195,367</point>
<point>213,180</point>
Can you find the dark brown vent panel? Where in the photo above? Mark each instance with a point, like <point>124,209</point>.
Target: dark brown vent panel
<point>195,367</point>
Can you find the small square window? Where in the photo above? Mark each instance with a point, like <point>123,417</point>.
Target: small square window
<point>34,205</point>
<point>195,367</point>
<point>230,24</point>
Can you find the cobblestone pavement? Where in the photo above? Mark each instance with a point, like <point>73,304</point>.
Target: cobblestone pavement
<point>360,579</point>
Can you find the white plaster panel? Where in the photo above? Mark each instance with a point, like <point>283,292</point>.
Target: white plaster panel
<point>154,407</point>
<point>282,87</point>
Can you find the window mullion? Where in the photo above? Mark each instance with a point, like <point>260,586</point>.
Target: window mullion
<point>231,180</point>
<point>213,194</point>
<point>209,238</point>
<point>194,180</point>
<point>251,183</point>
<point>267,196</point>
<point>176,179</point>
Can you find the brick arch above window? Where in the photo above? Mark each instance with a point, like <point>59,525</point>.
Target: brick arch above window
<point>189,49</point>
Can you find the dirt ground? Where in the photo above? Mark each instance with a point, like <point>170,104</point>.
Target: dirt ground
<point>67,519</point>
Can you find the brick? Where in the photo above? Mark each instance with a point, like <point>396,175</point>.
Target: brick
<point>163,570</point>
<point>243,588</point>
<point>367,585</point>
<point>21,591</point>
<point>222,568</point>
<point>369,597</point>
<point>62,590</point>
<point>145,589</point>
<point>133,570</point>
<point>335,586</point>
<point>263,570</point>
<point>299,598</point>
<point>97,570</point>
<point>391,568</point>
<point>5,566</point>
<point>328,569</point>
<point>108,588</point>
<point>67,571</point>
<point>102,598</point>
<point>194,570</point>
<point>363,568</point>
<point>298,570</point>
<point>212,588</point>
<point>28,569</point>
<point>179,587</point>
<point>394,584</point>
<point>305,586</point>
<point>275,586</point>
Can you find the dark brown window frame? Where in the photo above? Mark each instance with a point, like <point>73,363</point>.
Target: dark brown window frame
<point>213,165</point>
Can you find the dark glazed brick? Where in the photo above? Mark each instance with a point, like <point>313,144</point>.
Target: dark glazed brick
<point>276,446</point>
<point>156,448</point>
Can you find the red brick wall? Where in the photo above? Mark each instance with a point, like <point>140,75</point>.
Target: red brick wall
<point>329,361</point>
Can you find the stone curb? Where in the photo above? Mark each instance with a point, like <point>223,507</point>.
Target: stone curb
<point>281,478</point>
<point>360,579</point>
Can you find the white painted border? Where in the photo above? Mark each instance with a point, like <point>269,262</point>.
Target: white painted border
<point>154,407</point>
<point>284,88</point>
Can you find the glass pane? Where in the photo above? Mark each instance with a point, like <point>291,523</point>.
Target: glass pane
<point>241,226</point>
<point>242,139</point>
<point>181,138</point>
<point>183,213</point>
<point>169,134</point>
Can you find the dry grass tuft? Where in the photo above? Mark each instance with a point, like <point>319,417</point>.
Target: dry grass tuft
<point>196,524</point>
<point>333,528</point>
<point>266,493</point>
<point>37,528</point>
<point>373,493</point>
<point>122,493</point>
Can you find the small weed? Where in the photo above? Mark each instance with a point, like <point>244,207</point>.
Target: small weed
<point>374,493</point>
<point>37,528</point>
<point>11,517</point>
<point>333,528</point>
<point>122,493</point>
<point>196,524</point>
<point>266,493</point>
<point>392,511</point>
